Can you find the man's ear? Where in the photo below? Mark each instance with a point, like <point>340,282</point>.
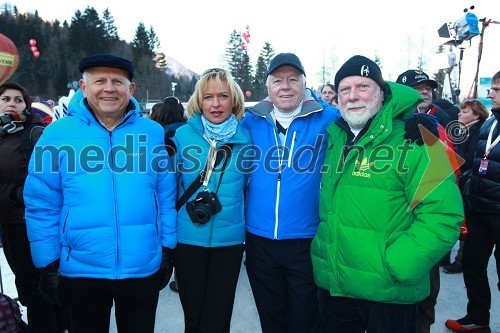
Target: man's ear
<point>83,86</point>
<point>132,88</point>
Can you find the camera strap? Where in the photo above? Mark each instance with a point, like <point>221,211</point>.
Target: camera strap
<point>223,151</point>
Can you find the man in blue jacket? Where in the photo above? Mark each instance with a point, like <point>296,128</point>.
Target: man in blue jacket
<point>100,204</point>
<point>289,131</point>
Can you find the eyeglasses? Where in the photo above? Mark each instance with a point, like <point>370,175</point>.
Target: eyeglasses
<point>212,70</point>
<point>470,100</point>
<point>172,98</point>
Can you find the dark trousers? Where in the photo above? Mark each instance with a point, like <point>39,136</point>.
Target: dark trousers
<point>348,315</point>
<point>207,279</point>
<point>43,316</point>
<point>426,309</point>
<point>484,234</point>
<point>89,303</point>
<point>281,276</point>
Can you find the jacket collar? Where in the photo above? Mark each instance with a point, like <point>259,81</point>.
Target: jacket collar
<point>197,125</point>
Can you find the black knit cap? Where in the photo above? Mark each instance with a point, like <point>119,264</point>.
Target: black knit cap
<point>285,59</point>
<point>360,66</point>
<point>107,60</point>
<point>414,77</point>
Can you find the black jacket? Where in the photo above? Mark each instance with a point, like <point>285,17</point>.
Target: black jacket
<point>467,148</point>
<point>442,117</point>
<point>14,158</point>
<point>482,191</point>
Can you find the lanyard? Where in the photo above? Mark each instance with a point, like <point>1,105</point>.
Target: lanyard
<point>212,155</point>
<point>490,145</point>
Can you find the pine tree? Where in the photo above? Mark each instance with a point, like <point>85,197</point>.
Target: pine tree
<point>154,41</point>
<point>149,80</point>
<point>259,81</point>
<point>141,44</point>
<point>239,61</point>
<point>245,72</point>
<point>87,34</point>
<point>233,54</point>
<point>110,30</point>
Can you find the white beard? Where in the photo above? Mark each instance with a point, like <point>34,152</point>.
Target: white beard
<point>358,119</point>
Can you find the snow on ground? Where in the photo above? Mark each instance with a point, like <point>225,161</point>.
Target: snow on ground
<point>452,302</point>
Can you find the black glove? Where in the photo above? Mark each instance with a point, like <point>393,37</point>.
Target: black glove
<point>49,283</point>
<point>166,267</point>
<point>412,131</point>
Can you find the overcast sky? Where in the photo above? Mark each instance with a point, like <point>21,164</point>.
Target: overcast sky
<point>195,32</point>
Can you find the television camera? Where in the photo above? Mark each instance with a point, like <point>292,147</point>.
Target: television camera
<point>463,29</point>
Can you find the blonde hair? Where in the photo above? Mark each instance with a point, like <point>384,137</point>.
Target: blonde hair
<point>477,107</point>
<point>220,76</point>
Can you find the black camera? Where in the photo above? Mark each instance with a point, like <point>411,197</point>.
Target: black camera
<point>202,208</point>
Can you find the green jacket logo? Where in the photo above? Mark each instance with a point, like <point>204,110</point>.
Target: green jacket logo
<point>361,167</point>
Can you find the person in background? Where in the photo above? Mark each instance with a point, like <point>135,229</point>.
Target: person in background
<point>450,109</point>
<point>155,108</point>
<point>471,116</point>
<point>100,204</point>
<point>421,82</point>
<point>482,208</point>
<point>210,220</point>
<point>20,128</point>
<point>169,114</point>
<point>372,212</point>
<point>328,94</point>
<point>289,129</point>
<point>45,111</point>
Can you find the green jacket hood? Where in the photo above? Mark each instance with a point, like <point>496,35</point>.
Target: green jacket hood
<point>403,100</point>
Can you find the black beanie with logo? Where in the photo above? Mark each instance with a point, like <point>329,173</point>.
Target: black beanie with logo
<point>360,66</point>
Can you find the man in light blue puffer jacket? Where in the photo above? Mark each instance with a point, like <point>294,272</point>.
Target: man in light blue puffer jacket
<point>100,204</point>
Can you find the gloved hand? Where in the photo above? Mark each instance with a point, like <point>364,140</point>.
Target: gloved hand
<point>412,131</point>
<point>49,283</point>
<point>166,266</point>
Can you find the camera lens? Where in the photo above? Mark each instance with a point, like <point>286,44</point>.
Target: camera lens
<point>201,216</point>
<point>203,207</point>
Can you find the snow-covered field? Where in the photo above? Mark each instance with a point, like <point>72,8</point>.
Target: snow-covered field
<point>452,303</point>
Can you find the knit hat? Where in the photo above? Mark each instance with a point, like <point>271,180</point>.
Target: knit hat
<point>360,66</point>
<point>107,60</point>
<point>414,77</point>
<point>285,59</point>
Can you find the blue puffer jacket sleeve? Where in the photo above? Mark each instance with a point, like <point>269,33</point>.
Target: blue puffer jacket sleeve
<point>44,200</point>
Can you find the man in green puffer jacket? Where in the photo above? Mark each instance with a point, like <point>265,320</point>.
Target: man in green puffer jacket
<point>389,209</point>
